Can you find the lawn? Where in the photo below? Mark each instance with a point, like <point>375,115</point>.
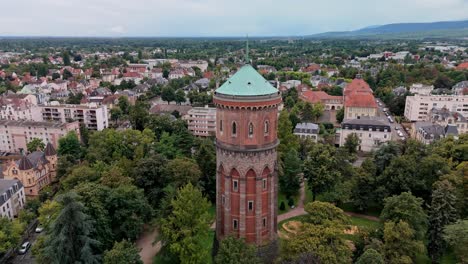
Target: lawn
<point>164,257</point>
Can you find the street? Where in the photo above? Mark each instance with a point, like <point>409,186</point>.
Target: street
<point>26,258</point>
<point>394,126</point>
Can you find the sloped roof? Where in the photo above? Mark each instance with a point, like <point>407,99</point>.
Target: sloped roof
<point>50,150</point>
<point>25,163</point>
<point>246,82</point>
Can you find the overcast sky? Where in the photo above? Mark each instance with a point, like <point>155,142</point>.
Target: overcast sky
<point>214,17</point>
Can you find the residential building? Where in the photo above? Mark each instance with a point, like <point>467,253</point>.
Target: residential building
<point>12,198</point>
<point>430,133</point>
<point>201,64</point>
<point>372,132</point>
<point>359,100</point>
<point>202,121</point>
<point>330,102</point>
<point>444,117</point>
<point>18,107</point>
<point>421,89</point>
<point>93,116</point>
<point>417,107</point>
<point>246,156</point>
<point>460,88</point>
<point>14,135</point>
<point>35,170</point>
<point>307,131</point>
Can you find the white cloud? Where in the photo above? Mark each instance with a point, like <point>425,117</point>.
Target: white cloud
<point>117,29</point>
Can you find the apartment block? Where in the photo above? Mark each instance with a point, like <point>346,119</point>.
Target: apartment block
<point>372,132</point>
<point>418,107</point>
<point>94,116</point>
<point>202,121</point>
<point>12,198</point>
<point>14,135</point>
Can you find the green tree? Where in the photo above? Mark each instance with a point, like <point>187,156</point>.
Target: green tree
<point>180,171</point>
<point>289,179</point>
<point>285,134</point>
<point>324,241</point>
<point>35,144</point>
<point>234,251</point>
<point>148,174</point>
<point>340,115</point>
<point>66,58</point>
<point>70,145</point>
<point>48,212</point>
<point>179,96</point>
<point>187,226</point>
<point>456,235</point>
<point>320,169</point>
<point>408,208</point>
<point>320,213</point>
<point>363,185</point>
<point>168,94</point>
<point>206,160</point>
<point>80,174</point>
<point>139,115</point>
<point>351,143</point>
<point>123,252</point>
<point>68,240</point>
<point>400,244</point>
<point>124,105</point>
<point>10,233</point>
<point>317,111</point>
<point>370,256</point>
<point>307,112</point>
<point>442,212</point>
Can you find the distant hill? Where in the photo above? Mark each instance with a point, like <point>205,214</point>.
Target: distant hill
<point>404,30</point>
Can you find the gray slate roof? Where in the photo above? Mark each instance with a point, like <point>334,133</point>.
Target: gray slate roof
<point>5,186</point>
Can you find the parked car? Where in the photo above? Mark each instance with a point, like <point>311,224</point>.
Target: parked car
<point>39,229</point>
<point>397,128</point>
<point>24,248</point>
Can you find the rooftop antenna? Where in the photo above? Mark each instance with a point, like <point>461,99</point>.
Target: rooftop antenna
<point>247,51</point>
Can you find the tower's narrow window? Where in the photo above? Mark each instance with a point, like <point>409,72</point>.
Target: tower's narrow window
<point>221,125</point>
<point>264,221</point>
<point>266,127</point>
<point>264,184</point>
<point>251,205</point>
<point>234,224</point>
<point>234,128</point>
<point>251,130</point>
<point>235,185</point>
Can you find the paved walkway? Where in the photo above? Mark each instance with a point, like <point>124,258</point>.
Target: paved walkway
<point>148,249</point>
<point>299,210</point>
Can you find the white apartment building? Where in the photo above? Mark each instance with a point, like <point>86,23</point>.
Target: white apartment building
<point>201,64</point>
<point>18,107</point>
<point>94,116</point>
<point>12,198</point>
<point>372,132</point>
<point>421,89</point>
<point>202,121</point>
<point>418,107</point>
<point>307,130</point>
<point>14,135</point>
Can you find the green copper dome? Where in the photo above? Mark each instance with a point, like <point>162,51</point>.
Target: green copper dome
<point>246,82</point>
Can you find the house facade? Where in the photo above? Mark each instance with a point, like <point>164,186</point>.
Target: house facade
<point>35,170</point>
<point>12,198</point>
<point>372,132</point>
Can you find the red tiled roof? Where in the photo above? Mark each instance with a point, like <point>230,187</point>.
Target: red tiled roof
<point>208,75</point>
<point>318,96</point>
<point>462,66</point>
<point>132,74</point>
<point>360,99</point>
<point>357,85</point>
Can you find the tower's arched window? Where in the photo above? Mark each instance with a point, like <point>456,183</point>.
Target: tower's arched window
<point>221,125</point>
<point>251,129</point>
<point>234,128</point>
<point>266,127</point>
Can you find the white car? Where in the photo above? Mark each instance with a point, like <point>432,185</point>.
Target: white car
<point>39,229</point>
<point>397,128</point>
<point>24,248</point>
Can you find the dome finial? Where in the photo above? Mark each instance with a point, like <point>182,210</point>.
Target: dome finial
<point>247,50</point>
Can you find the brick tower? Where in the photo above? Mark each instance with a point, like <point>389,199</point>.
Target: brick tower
<point>246,141</point>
